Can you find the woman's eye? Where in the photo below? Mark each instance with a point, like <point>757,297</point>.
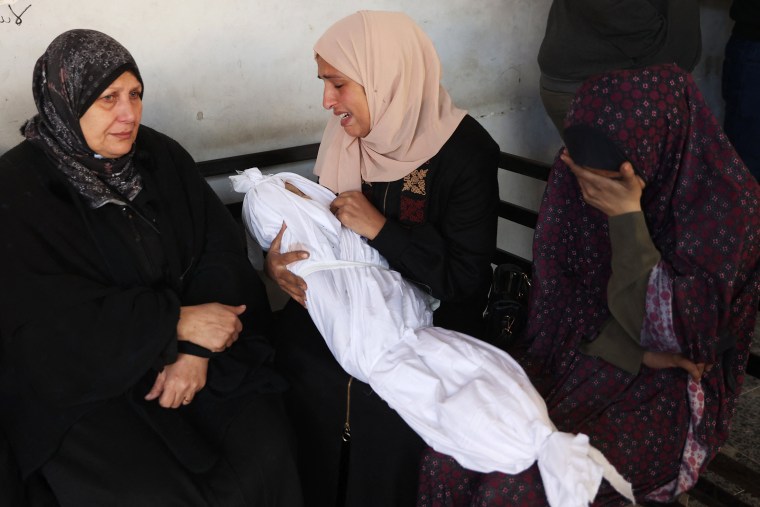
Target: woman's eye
<point>134,94</point>
<point>108,98</point>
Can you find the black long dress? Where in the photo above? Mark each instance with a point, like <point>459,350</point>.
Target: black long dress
<point>440,233</point>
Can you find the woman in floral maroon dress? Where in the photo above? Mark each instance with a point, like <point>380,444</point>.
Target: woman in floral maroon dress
<point>645,294</point>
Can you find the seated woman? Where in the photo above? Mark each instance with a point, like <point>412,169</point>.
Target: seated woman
<point>133,367</point>
<point>417,177</point>
<point>645,294</point>
<point>461,395</point>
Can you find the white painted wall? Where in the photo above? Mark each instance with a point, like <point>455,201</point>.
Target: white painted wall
<point>236,76</point>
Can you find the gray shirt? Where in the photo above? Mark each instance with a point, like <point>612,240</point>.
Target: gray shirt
<point>633,257</point>
<point>587,37</point>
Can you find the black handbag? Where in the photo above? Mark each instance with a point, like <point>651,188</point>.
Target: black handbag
<point>507,310</point>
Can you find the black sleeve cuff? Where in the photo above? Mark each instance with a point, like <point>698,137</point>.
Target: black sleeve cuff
<point>186,347</point>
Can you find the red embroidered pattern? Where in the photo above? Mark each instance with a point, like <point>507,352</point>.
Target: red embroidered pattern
<point>414,196</point>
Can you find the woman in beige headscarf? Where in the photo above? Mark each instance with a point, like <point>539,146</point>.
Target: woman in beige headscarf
<point>417,177</point>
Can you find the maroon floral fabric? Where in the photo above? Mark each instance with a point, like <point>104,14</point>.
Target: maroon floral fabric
<point>444,483</point>
<point>702,209</point>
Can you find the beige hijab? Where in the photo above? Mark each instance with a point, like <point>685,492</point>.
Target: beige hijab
<point>411,115</point>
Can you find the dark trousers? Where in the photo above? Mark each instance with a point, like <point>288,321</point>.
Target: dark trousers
<point>741,92</point>
<point>556,104</point>
<point>111,457</point>
<point>384,454</point>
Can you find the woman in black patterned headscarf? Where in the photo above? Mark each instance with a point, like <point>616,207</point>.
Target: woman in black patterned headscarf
<point>68,79</point>
<point>133,370</point>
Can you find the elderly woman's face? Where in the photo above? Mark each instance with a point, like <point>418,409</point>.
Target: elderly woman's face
<point>110,124</point>
<point>346,98</point>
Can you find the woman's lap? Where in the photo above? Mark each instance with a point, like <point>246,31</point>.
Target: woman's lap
<point>385,452</point>
<point>445,483</point>
<point>113,457</point>
<point>639,424</point>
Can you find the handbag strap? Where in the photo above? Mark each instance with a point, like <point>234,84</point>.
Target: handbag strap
<point>345,451</point>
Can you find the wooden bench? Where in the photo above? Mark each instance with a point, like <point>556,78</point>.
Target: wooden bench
<point>728,470</point>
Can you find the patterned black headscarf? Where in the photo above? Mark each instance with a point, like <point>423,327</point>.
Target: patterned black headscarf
<point>74,70</point>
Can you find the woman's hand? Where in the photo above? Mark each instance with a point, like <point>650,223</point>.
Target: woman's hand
<point>355,211</point>
<point>276,267</point>
<point>661,360</point>
<point>610,192</point>
<point>212,325</point>
<point>178,382</point>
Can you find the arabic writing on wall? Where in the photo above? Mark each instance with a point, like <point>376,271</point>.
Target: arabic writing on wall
<point>14,17</point>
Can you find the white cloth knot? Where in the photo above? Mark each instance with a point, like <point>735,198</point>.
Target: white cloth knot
<point>572,470</point>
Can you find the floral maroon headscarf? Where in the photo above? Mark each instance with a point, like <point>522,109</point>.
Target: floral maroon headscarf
<point>702,209</point>
<point>75,68</point>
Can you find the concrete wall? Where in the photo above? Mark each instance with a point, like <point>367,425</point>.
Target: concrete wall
<point>237,76</point>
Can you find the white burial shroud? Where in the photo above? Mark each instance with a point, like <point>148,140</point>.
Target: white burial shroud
<point>464,397</point>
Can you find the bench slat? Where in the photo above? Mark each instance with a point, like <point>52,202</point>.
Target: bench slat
<point>713,495</point>
<point>261,159</point>
<point>518,214</point>
<point>739,473</point>
<point>524,166</point>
